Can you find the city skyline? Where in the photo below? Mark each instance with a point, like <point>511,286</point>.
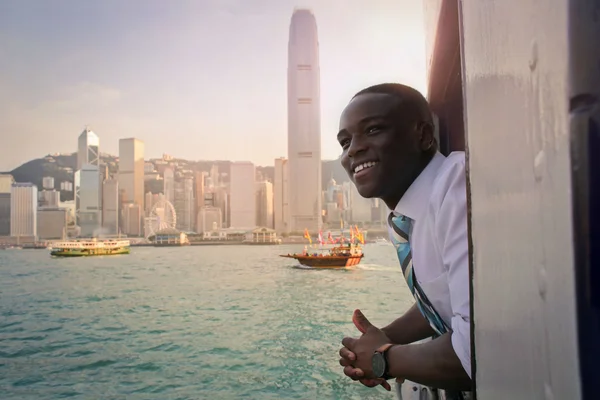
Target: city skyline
<point>107,202</point>
<point>63,72</point>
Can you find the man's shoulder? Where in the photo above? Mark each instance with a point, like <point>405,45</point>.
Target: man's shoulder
<point>450,177</point>
<point>452,168</point>
<point>456,158</point>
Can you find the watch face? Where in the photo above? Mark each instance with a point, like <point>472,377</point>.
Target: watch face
<point>378,364</point>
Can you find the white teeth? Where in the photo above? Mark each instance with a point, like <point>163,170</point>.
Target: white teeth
<point>362,166</point>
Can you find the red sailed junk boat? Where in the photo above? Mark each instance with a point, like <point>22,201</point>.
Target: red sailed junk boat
<point>336,257</point>
<point>340,256</point>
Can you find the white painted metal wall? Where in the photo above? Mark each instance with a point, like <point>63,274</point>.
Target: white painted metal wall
<point>516,80</point>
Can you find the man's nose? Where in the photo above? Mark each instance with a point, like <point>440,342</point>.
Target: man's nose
<point>357,146</point>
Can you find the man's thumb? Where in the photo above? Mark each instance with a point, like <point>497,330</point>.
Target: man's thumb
<point>360,321</point>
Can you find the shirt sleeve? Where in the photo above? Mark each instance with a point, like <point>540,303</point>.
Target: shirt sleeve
<point>452,238</point>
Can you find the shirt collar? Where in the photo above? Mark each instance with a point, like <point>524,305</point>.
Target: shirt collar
<point>414,202</point>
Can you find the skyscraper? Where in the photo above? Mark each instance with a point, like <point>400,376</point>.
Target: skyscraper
<point>169,185</point>
<point>132,219</point>
<point>88,149</point>
<point>88,199</point>
<point>214,175</point>
<point>221,199</point>
<point>23,209</point>
<point>198,194</point>
<point>264,204</point>
<point>110,206</point>
<point>6,182</point>
<point>242,190</point>
<point>185,205</point>
<point>280,196</point>
<point>131,177</point>
<point>88,183</point>
<point>304,123</point>
<point>51,223</point>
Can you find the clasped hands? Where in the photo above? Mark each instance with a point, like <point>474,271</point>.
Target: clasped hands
<point>356,355</point>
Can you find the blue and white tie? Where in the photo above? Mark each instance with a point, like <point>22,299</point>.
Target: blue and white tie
<point>401,229</point>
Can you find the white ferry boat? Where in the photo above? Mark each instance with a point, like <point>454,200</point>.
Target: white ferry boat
<point>90,247</point>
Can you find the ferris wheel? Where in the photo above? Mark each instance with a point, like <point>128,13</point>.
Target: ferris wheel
<point>162,216</point>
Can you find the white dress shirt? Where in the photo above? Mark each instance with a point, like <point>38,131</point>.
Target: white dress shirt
<point>437,203</point>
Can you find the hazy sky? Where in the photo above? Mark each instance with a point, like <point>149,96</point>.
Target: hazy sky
<point>197,79</point>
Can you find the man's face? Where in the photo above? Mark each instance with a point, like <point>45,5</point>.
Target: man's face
<point>381,146</point>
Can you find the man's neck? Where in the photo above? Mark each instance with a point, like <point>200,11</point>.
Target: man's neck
<point>392,201</point>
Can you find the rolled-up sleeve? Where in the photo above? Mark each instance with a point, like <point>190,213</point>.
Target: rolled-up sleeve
<point>452,234</point>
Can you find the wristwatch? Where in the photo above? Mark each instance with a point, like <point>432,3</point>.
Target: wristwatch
<point>379,362</point>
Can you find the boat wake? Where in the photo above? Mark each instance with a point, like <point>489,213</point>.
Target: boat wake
<point>362,267</point>
<point>376,267</point>
<point>300,266</point>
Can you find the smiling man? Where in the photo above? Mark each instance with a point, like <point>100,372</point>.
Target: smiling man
<point>390,153</point>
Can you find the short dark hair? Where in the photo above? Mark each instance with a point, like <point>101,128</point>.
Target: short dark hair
<point>410,98</point>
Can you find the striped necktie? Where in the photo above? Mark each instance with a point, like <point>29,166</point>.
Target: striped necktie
<point>401,229</point>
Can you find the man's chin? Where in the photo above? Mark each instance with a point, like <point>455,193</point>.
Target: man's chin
<point>366,191</point>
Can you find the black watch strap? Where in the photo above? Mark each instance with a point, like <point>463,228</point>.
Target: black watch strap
<point>383,350</point>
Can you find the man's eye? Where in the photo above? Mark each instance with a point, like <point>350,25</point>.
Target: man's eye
<point>374,129</point>
<point>344,143</point>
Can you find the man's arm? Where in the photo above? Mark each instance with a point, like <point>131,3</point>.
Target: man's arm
<point>446,361</point>
<point>453,244</point>
<point>409,328</point>
<point>431,363</point>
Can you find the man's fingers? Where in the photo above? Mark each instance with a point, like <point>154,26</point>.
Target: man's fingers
<point>353,373</point>
<point>344,362</point>
<point>386,386</point>
<point>349,342</point>
<point>361,322</point>
<point>369,382</point>
<point>375,382</point>
<point>347,354</point>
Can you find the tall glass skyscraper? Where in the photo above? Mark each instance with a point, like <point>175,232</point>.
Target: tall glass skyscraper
<point>88,200</point>
<point>88,183</point>
<point>131,178</point>
<point>88,149</point>
<point>304,123</point>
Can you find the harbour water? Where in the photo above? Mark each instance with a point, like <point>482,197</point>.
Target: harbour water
<point>187,323</point>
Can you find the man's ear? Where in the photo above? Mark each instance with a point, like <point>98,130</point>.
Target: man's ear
<point>426,135</point>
